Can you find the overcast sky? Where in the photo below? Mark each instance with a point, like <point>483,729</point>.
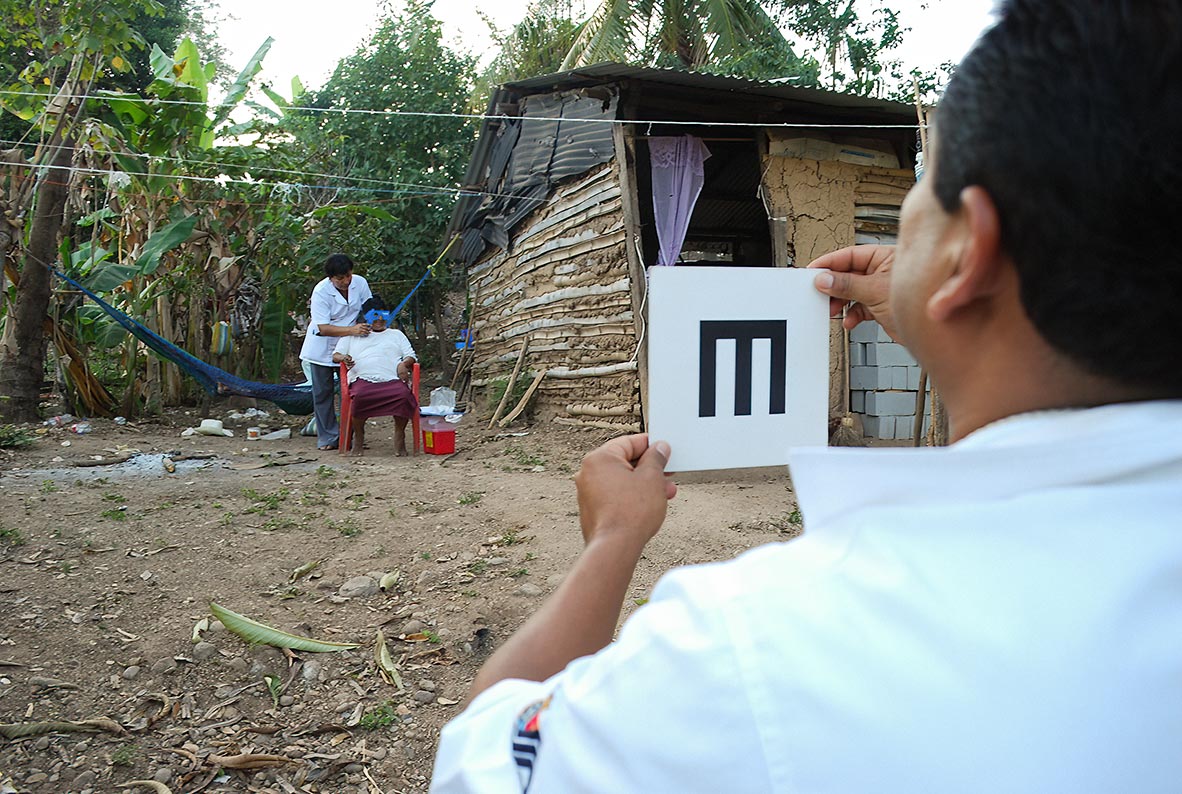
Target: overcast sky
<point>310,37</point>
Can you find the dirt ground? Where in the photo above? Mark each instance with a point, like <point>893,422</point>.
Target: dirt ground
<point>107,572</point>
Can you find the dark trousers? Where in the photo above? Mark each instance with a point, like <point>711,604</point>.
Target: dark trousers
<point>328,431</point>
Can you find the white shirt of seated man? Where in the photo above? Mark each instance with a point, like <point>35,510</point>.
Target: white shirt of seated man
<point>376,357</point>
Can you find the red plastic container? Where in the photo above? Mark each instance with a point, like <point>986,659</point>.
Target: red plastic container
<point>439,437</point>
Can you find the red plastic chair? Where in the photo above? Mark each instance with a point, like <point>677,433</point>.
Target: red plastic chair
<point>346,440</point>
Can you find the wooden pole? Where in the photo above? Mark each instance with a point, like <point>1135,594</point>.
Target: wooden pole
<point>509,386</point>
<point>923,122</point>
<point>468,351</point>
<point>533,387</point>
<point>919,403</point>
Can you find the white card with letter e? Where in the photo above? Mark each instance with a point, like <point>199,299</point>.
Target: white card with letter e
<point>738,363</point>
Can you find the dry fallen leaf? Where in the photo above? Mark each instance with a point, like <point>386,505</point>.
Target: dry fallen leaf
<point>155,785</point>
<point>385,662</point>
<point>249,760</point>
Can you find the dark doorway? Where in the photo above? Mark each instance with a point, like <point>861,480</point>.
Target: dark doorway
<point>729,225</point>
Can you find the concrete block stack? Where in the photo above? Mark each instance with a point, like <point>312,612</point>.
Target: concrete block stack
<point>884,378</point>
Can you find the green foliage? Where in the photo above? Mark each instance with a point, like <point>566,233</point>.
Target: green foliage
<point>851,40</point>
<point>274,688</point>
<point>534,46</point>
<point>382,716</point>
<point>497,386</point>
<point>525,458</point>
<point>511,538</point>
<point>349,527</point>
<point>125,755</point>
<point>413,162</point>
<point>14,437</point>
<point>931,83</point>
<point>687,34</point>
<point>264,502</point>
<point>52,43</point>
<point>471,498</point>
<point>846,41</point>
<point>11,537</point>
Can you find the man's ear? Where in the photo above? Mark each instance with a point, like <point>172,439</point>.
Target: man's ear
<point>978,268</point>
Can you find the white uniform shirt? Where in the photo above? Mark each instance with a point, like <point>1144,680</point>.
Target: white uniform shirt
<point>329,307</point>
<point>376,357</point>
<point>1004,615</point>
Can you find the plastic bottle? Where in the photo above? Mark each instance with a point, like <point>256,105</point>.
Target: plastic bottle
<point>80,427</point>
<point>119,420</point>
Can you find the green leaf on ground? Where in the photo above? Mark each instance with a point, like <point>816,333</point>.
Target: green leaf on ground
<point>260,634</point>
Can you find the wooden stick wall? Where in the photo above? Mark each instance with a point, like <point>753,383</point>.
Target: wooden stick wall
<point>565,287</point>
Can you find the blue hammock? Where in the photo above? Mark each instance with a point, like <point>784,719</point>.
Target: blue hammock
<point>295,398</point>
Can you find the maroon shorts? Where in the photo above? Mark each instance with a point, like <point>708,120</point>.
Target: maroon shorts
<point>392,398</point>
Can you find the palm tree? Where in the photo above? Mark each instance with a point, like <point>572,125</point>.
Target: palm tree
<point>691,33</point>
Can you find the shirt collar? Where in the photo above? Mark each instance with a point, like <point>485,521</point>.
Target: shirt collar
<point>1022,453</point>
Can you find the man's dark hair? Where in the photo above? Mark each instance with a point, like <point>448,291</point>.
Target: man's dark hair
<point>1069,113</point>
<point>338,265</point>
<point>374,302</point>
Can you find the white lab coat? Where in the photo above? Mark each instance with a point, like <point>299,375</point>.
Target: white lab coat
<point>329,307</point>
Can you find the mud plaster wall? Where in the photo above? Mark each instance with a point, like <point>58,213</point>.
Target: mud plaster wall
<point>814,200</point>
<point>564,285</point>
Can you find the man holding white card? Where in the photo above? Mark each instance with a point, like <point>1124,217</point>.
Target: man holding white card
<point>1000,615</point>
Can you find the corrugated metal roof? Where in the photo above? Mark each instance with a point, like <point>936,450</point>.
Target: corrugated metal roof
<point>517,164</point>
<point>606,72</point>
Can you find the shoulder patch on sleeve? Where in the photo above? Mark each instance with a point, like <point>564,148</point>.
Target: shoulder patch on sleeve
<point>527,740</point>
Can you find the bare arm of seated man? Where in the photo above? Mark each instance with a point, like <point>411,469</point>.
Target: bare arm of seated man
<point>405,367</point>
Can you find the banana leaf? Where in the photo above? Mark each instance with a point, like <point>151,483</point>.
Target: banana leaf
<point>162,241</point>
<point>259,634</point>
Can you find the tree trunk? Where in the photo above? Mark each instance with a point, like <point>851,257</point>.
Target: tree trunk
<point>22,363</point>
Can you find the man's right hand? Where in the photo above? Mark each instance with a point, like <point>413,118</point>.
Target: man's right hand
<point>858,278</point>
<point>623,491</point>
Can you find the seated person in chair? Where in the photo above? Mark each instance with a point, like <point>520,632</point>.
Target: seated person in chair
<point>379,374</point>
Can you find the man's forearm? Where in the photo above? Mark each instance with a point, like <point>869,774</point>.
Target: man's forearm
<point>577,620</point>
<point>335,330</point>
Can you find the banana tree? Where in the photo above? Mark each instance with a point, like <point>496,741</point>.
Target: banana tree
<point>187,204</point>
<point>66,47</point>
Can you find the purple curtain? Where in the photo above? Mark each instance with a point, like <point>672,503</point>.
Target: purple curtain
<point>677,180</point>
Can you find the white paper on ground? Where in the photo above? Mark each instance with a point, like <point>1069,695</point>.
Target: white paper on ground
<point>772,326</point>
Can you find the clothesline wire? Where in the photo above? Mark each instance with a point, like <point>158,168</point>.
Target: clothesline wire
<point>421,191</point>
<point>480,116</point>
<point>196,200</point>
<point>212,163</point>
